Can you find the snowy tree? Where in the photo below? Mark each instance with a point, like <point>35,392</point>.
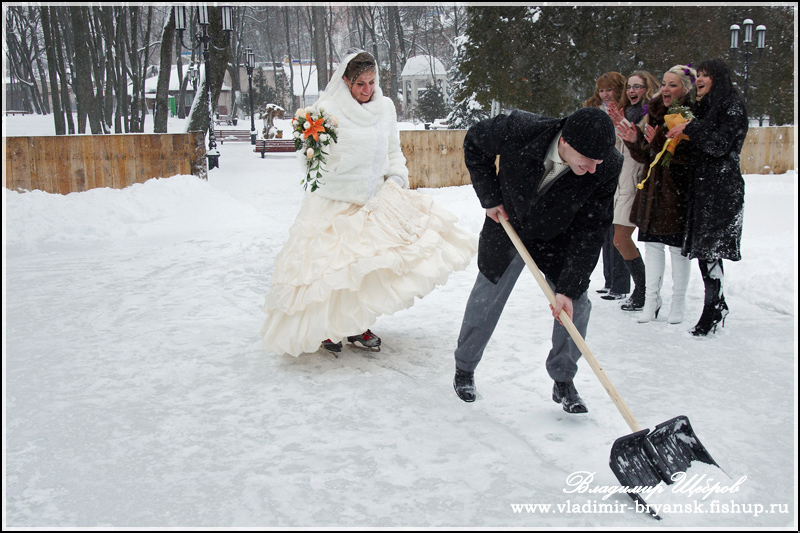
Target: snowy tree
<point>214,72</point>
<point>467,111</point>
<point>431,105</point>
<point>546,59</point>
<point>161,110</point>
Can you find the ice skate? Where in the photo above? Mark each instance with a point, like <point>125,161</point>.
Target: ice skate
<point>332,347</point>
<point>366,341</point>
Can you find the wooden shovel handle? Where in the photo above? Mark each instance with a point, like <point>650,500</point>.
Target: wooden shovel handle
<point>573,331</point>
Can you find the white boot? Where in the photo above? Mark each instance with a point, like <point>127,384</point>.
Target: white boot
<point>654,262</point>
<point>681,271</point>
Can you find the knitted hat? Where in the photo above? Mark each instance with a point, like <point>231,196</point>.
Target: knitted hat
<point>590,131</point>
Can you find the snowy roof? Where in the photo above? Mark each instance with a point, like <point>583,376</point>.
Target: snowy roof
<point>304,75</point>
<point>421,66</point>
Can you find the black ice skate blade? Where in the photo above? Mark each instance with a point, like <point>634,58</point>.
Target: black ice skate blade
<point>335,353</point>
<point>376,349</point>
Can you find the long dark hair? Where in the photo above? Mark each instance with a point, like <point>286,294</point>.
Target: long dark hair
<point>722,85</point>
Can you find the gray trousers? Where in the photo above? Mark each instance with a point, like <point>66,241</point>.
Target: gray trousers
<point>484,307</point>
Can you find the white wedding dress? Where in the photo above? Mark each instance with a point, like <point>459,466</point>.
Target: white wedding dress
<point>345,263</point>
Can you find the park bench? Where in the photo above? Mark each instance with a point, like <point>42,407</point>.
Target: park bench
<point>232,135</point>
<point>227,119</point>
<point>274,145</point>
<point>13,112</point>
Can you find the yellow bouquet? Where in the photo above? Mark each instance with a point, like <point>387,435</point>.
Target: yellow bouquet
<point>676,115</point>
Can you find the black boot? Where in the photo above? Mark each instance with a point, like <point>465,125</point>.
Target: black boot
<point>636,301</point>
<point>714,307</point>
<point>709,319</point>
<point>564,393</point>
<point>464,384</point>
<point>711,316</point>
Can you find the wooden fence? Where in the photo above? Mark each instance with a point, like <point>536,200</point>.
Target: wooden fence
<point>769,149</point>
<point>436,158</point>
<point>72,163</point>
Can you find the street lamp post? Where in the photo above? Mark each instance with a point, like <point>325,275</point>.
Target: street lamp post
<point>193,75</point>
<point>761,38</point>
<point>250,64</point>
<point>205,39</point>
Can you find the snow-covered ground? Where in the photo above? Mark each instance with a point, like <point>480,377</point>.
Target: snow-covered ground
<point>137,392</point>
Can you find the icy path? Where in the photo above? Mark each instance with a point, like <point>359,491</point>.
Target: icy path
<point>138,394</point>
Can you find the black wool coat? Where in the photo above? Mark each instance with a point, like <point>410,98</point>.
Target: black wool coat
<point>716,190</point>
<point>563,226</point>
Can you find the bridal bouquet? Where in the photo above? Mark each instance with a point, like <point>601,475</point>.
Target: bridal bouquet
<point>313,130</point>
<point>675,115</point>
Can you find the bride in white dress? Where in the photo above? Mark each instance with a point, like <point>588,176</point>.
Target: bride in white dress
<point>363,244</point>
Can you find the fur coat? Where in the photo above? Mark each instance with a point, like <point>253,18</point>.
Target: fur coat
<point>716,202</point>
<point>367,150</point>
<point>659,209</point>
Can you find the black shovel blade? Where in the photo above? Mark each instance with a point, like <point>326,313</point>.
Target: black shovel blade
<point>644,459</point>
<point>630,461</point>
<point>673,446</point>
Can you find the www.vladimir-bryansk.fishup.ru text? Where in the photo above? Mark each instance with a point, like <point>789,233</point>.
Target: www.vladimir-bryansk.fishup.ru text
<point>695,507</point>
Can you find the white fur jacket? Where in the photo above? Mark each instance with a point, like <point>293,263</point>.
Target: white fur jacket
<point>367,151</point>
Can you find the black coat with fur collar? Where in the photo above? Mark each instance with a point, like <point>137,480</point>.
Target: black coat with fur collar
<point>563,226</point>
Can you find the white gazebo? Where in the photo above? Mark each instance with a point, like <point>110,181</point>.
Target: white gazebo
<point>420,73</point>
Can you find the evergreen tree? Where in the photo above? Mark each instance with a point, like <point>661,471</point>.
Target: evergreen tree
<point>430,105</point>
<point>546,59</point>
<point>467,111</point>
<point>263,93</point>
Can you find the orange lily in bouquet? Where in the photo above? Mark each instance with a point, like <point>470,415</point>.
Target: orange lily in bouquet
<point>313,130</point>
<point>676,115</point>
<point>314,127</point>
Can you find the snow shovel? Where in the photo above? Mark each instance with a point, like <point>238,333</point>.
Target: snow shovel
<point>642,459</point>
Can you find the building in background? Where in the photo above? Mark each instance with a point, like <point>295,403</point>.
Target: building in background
<point>420,73</point>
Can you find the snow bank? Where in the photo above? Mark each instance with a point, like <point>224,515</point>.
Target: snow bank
<point>157,207</point>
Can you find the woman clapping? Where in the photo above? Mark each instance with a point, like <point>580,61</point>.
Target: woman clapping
<point>661,203</point>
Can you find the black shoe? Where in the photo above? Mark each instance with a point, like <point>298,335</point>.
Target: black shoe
<point>464,384</point>
<point>711,316</point>
<point>564,393</point>
<point>333,347</point>
<point>603,290</point>
<point>614,296</point>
